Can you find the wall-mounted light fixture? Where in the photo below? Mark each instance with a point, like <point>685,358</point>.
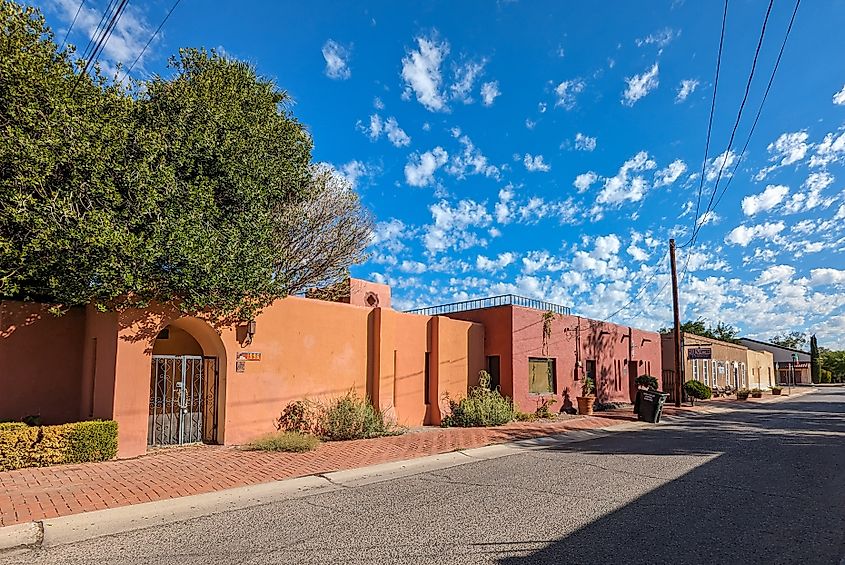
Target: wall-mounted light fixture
<point>250,331</point>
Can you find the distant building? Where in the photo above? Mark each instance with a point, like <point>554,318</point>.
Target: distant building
<point>793,365</point>
<point>717,364</point>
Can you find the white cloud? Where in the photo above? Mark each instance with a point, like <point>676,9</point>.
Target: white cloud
<point>743,235</point>
<point>686,88</point>
<point>353,171</point>
<point>606,246</point>
<point>413,267</point>
<point>535,163</point>
<point>505,207</point>
<point>583,181</point>
<point>489,92</point>
<point>765,201</point>
<point>670,174</point>
<point>452,226</point>
<point>420,169</point>
<point>640,85</point>
<point>722,163</point>
<point>584,143</point>
<point>622,187</point>
<point>375,128</point>
<point>787,149</point>
<point>839,97</point>
<point>776,273</point>
<point>826,276</point>
<point>395,134</point>
<point>567,91</point>
<point>482,263</point>
<point>661,38</point>
<point>637,253</point>
<point>337,60</point>
<point>422,75</point>
<point>831,150</point>
<point>470,161</point>
<point>387,240</point>
<point>464,77</point>
<point>530,124</point>
<point>812,196</point>
<point>378,104</point>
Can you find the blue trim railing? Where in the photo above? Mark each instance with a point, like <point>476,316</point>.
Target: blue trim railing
<point>492,302</point>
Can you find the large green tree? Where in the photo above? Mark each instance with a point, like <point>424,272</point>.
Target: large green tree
<point>181,188</point>
<point>721,331</point>
<point>791,340</point>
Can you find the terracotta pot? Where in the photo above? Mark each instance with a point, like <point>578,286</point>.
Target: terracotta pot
<point>585,405</point>
<point>756,395</point>
<point>776,391</point>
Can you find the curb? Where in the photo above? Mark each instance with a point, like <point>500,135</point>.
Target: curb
<point>21,538</point>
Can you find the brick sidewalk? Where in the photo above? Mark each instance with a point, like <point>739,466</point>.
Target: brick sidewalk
<point>49,492</point>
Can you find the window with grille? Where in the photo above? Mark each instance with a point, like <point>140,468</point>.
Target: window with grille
<point>705,369</point>
<point>541,375</point>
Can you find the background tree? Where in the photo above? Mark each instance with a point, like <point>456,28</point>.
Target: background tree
<point>699,327</point>
<point>182,188</point>
<point>815,367</point>
<point>791,340</point>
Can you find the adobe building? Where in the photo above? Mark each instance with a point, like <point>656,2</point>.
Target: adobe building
<point>531,368</point>
<point>792,365</point>
<point>717,364</point>
<point>170,378</point>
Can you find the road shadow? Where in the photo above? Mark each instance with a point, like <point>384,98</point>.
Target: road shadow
<point>772,490</point>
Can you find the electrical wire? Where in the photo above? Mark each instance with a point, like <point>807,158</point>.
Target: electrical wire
<point>67,33</point>
<point>710,120</point>
<point>101,41</point>
<point>153,36</point>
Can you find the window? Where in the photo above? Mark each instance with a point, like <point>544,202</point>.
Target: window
<point>695,375</point>
<point>705,369</point>
<point>541,375</point>
<point>715,374</point>
<point>493,365</point>
<point>769,369</point>
<point>742,373</point>
<point>591,370</point>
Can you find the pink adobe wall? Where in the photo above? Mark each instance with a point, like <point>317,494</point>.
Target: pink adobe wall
<point>40,362</point>
<point>498,339</point>
<point>457,357</point>
<point>359,290</point>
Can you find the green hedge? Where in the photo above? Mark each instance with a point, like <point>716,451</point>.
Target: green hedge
<point>39,446</point>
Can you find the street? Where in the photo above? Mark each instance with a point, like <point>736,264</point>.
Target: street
<point>761,484</point>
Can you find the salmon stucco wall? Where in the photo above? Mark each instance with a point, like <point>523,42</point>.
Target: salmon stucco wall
<point>40,362</point>
<point>498,339</point>
<point>456,360</point>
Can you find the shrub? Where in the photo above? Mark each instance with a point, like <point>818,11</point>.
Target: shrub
<point>520,416</point>
<point>5,426</point>
<point>647,381</point>
<point>38,446</point>
<point>697,390</point>
<point>302,416</point>
<point>285,441</point>
<point>353,417</point>
<point>481,407</point>
<point>543,408</point>
<point>742,394</point>
<point>588,387</point>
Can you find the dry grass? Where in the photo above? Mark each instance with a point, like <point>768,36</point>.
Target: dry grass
<point>284,441</point>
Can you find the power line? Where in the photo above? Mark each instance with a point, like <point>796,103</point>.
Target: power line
<point>102,40</point>
<point>95,35</point>
<point>710,120</point>
<point>699,225</point>
<point>762,102</point>
<point>153,36</point>
<point>67,33</point>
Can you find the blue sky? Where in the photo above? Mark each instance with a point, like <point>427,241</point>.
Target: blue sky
<point>551,149</point>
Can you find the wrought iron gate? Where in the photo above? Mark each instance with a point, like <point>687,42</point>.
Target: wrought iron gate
<point>183,400</point>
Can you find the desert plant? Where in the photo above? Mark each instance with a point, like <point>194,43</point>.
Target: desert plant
<point>481,407</point>
<point>302,416</point>
<point>776,390</point>
<point>521,416</point>
<point>543,407</point>
<point>697,390</point>
<point>588,387</point>
<point>647,381</point>
<point>353,417</point>
<point>742,394</point>
<point>284,441</point>
<point>38,446</point>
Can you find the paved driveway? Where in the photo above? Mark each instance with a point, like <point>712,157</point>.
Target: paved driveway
<point>764,484</point>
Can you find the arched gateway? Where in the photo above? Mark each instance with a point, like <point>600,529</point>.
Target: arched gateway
<point>184,384</point>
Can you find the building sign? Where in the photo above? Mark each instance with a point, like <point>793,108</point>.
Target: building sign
<point>699,353</point>
<point>249,356</point>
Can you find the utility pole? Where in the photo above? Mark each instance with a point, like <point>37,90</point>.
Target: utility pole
<point>677,330</point>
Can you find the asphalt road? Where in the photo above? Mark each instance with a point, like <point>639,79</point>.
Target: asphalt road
<point>764,484</point>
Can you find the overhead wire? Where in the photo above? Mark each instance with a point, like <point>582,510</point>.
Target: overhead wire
<point>150,40</point>
<point>72,23</point>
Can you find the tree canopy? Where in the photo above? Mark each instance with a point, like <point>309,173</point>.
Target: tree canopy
<point>192,187</point>
<point>792,340</point>
<point>721,331</point>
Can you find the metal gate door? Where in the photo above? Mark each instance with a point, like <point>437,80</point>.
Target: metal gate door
<point>182,400</point>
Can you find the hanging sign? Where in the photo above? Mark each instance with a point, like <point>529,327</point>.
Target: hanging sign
<point>699,353</point>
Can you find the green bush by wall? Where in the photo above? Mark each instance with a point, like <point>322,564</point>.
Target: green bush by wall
<point>39,446</point>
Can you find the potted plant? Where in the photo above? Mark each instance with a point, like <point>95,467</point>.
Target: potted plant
<point>756,393</point>
<point>697,390</point>
<point>742,394</point>
<point>587,398</point>
<point>776,390</point>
